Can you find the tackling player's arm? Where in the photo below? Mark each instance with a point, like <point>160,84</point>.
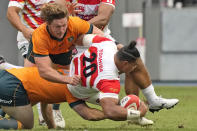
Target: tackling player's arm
<point>47,72</point>
<point>105,12</point>
<point>84,27</point>
<point>14,19</point>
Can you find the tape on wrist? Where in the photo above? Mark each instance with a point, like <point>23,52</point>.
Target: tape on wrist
<point>132,114</point>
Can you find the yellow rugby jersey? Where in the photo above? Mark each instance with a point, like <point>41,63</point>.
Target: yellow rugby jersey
<point>37,88</point>
<point>58,50</point>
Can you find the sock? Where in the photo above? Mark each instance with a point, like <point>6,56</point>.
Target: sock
<point>10,124</point>
<point>56,106</point>
<point>7,65</point>
<point>39,112</point>
<point>149,93</point>
<point>2,113</point>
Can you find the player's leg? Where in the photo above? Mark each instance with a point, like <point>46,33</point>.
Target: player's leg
<point>142,79</point>
<point>21,114</point>
<point>58,118</point>
<point>5,65</point>
<point>48,115</point>
<point>2,113</point>
<point>129,82</point>
<point>13,98</point>
<point>40,117</point>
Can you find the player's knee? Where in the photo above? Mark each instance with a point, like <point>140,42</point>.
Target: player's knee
<point>28,126</point>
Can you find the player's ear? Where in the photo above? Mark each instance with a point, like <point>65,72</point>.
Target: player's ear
<point>125,62</point>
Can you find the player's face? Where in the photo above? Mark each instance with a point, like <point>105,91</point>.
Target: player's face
<point>129,66</point>
<point>58,27</point>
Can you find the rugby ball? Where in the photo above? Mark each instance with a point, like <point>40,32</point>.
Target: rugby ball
<point>130,102</point>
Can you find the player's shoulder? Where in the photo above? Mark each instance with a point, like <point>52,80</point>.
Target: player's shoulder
<point>100,39</point>
<point>40,32</point>
<point>74,19</point>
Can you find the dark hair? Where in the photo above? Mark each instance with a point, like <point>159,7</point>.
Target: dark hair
<point>128,53</point>
<point>51,11</point>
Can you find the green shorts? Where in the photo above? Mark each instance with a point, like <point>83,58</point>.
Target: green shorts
<point>12,92</point>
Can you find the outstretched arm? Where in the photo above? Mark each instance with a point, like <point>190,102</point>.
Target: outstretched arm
<point>88,113</point>
<point>114,111</point>
<point>105,12</point>
<point>47,72</point>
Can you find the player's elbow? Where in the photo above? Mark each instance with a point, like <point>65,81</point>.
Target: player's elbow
<point>8,13</point>
<point>104,21</point>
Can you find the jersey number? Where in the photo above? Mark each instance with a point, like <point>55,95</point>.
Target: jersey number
<point>91,67</point>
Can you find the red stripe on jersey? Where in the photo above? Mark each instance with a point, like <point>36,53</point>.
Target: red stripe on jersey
<point>37,19</point>
<point>99,39</point>
<point>17,0</point>
<point>89,2</point>
<point>76,65</point>
<point>109,86</point>
<point>32,4</point>
<point>95,74</point>
<point>109,1</point>
<point>29,21</point>
<point>83,65</point>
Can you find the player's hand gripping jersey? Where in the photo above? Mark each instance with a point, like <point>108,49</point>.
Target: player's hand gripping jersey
<point>97,70</point>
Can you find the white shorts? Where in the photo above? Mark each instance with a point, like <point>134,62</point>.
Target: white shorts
<point>95,98</point>
<point>23,44</point>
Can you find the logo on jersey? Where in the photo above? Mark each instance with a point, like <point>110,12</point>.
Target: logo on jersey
<point>100,60</point>
<point>70,39</point>
<point>5,101</point>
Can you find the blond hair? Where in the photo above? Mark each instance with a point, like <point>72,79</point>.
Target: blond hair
<point>51,11</point>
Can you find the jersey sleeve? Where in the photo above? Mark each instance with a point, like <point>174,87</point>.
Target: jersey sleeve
<point>110,2</point>
<point>40,45</point>
<point>17,3</point>
<point>81,26</point>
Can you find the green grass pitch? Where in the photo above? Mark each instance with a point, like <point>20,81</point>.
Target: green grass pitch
<point>183,117</point>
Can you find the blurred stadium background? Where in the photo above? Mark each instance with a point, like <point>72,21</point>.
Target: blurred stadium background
<point>169,33</point>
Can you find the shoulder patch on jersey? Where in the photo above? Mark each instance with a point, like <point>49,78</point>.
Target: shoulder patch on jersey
<point>99,39</point>
<point>70,39</point>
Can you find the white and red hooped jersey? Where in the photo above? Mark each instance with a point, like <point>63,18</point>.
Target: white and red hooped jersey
<point>30,11</point>
<point>90,9</point>
<point>97,69</point>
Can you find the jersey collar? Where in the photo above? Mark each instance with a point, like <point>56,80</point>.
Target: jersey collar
<point>54,38</point>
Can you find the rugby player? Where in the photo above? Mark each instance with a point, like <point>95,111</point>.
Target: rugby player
<point>21,88</point>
